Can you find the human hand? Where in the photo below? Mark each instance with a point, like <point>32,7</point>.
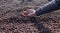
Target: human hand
<point>28,12</point>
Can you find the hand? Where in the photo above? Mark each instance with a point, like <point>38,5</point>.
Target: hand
<point>28,12</point>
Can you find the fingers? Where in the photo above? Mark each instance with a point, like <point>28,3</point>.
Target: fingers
<point>28,12</point>
<point>23,13</point>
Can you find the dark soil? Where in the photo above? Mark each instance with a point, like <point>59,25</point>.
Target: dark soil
<point>11,20</point>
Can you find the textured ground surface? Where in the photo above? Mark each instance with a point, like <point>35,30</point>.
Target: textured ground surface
<point>11,20</point>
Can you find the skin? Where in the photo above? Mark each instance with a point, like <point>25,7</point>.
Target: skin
<point>28,12</point>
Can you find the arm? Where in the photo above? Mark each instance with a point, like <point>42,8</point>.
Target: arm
<point>49,7</point>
